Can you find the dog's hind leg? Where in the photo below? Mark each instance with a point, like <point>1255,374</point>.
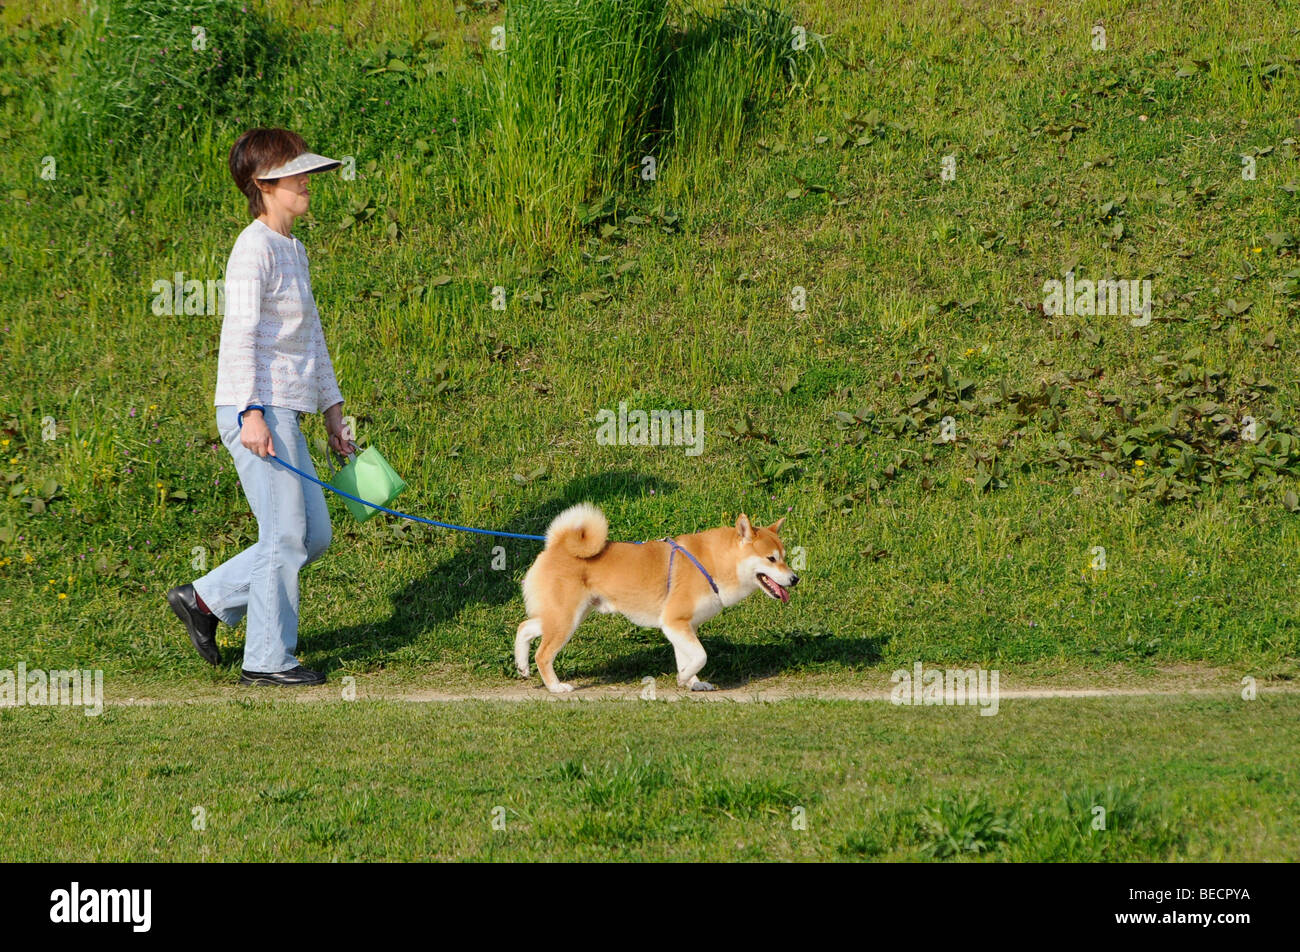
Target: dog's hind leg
<point>557,627</point>
<point>691,655</point>
<point>528,630</point>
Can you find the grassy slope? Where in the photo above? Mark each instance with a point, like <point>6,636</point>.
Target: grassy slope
<point>997,578</point>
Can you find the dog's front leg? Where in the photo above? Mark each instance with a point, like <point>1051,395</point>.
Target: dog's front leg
<point>690,654</point>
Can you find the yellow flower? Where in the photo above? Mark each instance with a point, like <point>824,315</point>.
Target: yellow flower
<point>1139,463</point>
<point>157,485</point>
<point>4,442</point>
<point>27,557</point>
<point>1258,250</point>
<point>63,594</point>
<point>13,460</point>
<point>153,406</point>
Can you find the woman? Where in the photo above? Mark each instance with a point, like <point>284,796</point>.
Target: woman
<point>272,368</point>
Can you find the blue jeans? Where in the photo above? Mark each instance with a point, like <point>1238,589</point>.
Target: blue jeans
<point>293,526</point>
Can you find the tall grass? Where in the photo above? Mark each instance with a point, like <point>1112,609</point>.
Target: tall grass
<point>593,99</point>
<point>150,74</point>
<point>574,87</point>
<point>724,71</point>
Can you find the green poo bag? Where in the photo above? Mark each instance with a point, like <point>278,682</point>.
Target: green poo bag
<point>368,476</point>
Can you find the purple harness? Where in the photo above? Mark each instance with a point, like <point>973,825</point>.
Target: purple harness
<point>684,552</point>
<point>673,542</point>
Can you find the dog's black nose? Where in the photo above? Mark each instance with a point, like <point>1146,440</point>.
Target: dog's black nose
<point>794,580</point>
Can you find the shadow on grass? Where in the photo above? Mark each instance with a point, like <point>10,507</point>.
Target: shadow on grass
<point>731,664</point>
<point>466,577</point>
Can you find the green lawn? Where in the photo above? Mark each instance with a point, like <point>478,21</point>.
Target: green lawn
<point>1178,779</point>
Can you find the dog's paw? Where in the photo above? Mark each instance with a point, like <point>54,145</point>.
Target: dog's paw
<point>560,687</point>
<point>698,685</point>
<point>523,672</point>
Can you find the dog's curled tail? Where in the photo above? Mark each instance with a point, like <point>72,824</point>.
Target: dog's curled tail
<point>582,530</point>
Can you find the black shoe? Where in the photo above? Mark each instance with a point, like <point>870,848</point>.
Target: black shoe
<point>201,626</point>
<point>293,676</point>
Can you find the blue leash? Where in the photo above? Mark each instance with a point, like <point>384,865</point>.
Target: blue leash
<point>441,525</point>
<point>509,535</point>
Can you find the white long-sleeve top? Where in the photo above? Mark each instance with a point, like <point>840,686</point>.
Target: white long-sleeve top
<point>272,346</point>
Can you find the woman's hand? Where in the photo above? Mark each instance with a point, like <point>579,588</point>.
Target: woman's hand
<point>255,435</point>
<point>340,440</point>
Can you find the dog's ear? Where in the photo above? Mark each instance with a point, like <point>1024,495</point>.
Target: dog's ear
<point>776,526</point>
<point>745,529</point>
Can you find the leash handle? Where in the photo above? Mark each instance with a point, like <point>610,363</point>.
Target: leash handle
<point>330,453</point>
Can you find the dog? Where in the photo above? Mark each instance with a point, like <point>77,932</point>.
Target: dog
<point>651,584</point>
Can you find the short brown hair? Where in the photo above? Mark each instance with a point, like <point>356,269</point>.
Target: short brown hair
<point>259,149</point>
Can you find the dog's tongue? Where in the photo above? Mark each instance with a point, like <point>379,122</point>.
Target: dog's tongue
<point>781,593</point>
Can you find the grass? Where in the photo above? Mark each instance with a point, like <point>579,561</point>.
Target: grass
<point>1105,507</point>
<point>800,780</point>
<point>983,551</point>
<point>571,94</point>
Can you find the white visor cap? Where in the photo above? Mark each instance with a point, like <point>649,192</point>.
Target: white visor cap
<point>307,162</point>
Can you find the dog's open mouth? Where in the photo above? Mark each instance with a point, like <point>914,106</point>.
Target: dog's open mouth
<point>772,588</point>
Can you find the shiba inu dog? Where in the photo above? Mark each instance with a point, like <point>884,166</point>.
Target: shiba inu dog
<point>651,584</point>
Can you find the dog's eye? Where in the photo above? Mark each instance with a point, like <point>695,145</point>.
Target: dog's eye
<point>771,558</point>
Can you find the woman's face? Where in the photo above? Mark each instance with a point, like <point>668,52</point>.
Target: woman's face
<point>289,194</point>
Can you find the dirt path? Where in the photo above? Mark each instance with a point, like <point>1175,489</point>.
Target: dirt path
<point>1186,684</point>
<point>742,695</point>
